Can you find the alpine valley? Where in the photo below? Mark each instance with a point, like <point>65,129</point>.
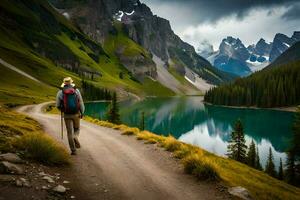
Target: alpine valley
<point>158,118</point>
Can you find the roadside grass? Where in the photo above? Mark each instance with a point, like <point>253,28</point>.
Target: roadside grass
<point>42,148</point>
<point>24,135</point>
<point>210,167</point>
<point>202,168</point>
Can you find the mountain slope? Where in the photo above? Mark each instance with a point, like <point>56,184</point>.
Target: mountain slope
<point>290,55</point>
<point>96,19</point>
<point>38,40</point>
<point>275,86</point>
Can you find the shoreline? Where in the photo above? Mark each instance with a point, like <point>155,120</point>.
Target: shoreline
<point>284,109</point>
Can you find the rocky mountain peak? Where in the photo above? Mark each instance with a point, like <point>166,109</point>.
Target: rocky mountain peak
<point>296,35</point>
<point>281,43</point>
<point>262,48</point>
<point>234,48</point>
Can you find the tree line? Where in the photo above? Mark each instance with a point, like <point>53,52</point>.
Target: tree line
<point>92,93</point>
<point>271,87</point>
<point>238,150</point>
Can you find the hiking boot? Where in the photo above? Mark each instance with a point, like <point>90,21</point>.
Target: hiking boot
<point>73,153</point>
<point>77,144</point>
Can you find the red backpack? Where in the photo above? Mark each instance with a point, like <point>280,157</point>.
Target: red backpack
<point>71,104</point>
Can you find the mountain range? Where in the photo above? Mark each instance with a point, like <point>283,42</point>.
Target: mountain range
<point>234,57</point>
<point>277,85</point>
<point>98,19</point>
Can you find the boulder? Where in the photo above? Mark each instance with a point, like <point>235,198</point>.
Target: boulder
<point>48,178</point>
<point>59,189</point>
<point>11,157</point>
<point>10,168</point>
<point>22,182</point>
<point>240,192</point>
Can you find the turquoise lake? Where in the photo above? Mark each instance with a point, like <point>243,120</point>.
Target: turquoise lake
<point>206,126</point>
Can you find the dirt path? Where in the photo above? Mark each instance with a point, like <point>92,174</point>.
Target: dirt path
<point>112,166</point>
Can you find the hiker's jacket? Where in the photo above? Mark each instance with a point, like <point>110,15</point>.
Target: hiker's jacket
<point>60,96</point>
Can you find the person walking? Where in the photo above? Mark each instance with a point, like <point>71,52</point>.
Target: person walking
<point>69,101</point>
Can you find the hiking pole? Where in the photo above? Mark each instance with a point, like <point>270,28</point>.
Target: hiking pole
<point>62,125</point>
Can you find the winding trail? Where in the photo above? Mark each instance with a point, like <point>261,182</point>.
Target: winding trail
<point>112,166</point>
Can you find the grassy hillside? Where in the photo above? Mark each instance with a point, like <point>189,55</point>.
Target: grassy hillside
<point>17,89</point>
<point>41,42</point>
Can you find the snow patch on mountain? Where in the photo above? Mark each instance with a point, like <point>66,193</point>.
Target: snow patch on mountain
<point>131,13</point>
<point>119,15</point>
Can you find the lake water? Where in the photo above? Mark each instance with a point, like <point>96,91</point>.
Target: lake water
<point>207,126</point>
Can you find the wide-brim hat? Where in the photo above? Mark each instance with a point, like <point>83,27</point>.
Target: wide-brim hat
<point>68,81</point>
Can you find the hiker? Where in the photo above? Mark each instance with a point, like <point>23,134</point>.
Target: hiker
<point>69,102</point>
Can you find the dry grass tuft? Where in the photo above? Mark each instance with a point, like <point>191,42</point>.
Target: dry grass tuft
<point>171,144</point>
<point>43,148</point>
<point>200,167</point>
<point>130,131</point>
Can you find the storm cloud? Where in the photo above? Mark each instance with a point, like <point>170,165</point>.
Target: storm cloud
<point>293,12</point>
<point>198,20</point>
<point>213,10</point>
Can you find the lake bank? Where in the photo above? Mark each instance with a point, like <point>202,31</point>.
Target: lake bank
<point>285,109</point>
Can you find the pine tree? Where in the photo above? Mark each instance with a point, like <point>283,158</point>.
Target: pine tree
<point>296,135</point>
<point>293,159</point>
<point>257,161</point>
<point>251,156</point>
<point>280,171</point>
<point>290,172</point>
<point>142,122</point>
<point>270,167</point>
<point>113,115</point>
<point>237,148</point>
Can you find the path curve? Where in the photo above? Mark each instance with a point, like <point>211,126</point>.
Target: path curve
<point>124,166</point>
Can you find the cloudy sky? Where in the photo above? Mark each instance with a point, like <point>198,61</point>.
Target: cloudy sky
<point>198,20</point>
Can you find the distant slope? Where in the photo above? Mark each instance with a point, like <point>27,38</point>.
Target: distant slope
<point>290,55</point>
<point>38,40</point>
<point>275,86</point>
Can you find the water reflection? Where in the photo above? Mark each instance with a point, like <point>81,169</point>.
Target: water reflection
<point>207,126</point>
